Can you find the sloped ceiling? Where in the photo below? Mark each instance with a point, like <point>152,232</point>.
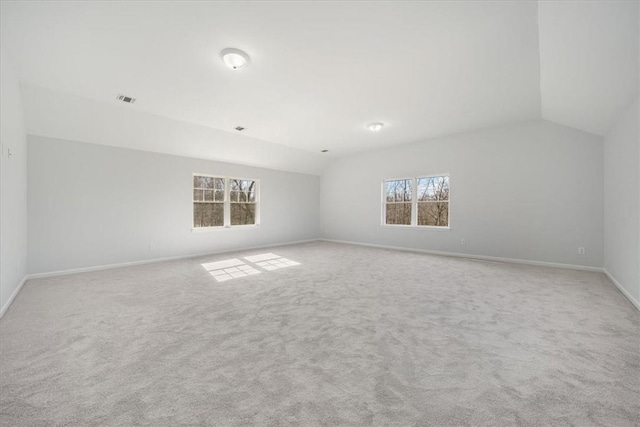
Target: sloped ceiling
<point>321,70</point>
<point>589,61</point>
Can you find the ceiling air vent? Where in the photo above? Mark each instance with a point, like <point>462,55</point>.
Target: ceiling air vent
<point>239,128</point>
<point>125,98</point>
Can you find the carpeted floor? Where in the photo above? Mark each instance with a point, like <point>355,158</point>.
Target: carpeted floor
<point>324,334</point>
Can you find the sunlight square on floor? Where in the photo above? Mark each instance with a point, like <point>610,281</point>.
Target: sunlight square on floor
<point>236,268</point>
<point>229,269</point>
<point>276,264</point>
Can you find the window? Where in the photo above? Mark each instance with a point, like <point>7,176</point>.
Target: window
<point>208,201</point>
<point>398,201</point>
<point>422,201</point>
<point>243,202</point>
<point>433,201</point>
<point>224,202</point>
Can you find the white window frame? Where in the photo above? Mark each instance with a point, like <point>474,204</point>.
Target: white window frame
<point>227,203</point>
<point>414,203</point>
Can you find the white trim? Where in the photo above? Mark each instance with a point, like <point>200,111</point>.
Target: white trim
<point>471,256</point>
<point>415,203</point>
<point>223,227</point>
<point>624,292</point>
<point>226,203</point>
<point>13,296</point>
<point>156,260</point>
<point>417,227</point>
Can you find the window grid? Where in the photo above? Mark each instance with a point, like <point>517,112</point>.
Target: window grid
<point>427,204</point>
<point>219,191</point>
<point>242,200</point>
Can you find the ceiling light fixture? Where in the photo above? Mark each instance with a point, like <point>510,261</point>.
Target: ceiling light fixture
<point>375,126</point>
<point>235,59</point>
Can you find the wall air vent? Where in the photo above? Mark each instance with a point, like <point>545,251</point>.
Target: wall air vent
<point>125,98</point>
<point>239,128</point>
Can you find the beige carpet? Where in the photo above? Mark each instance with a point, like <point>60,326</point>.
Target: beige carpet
<point>321,334</point>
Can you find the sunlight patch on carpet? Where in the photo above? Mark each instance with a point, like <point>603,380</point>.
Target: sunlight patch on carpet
<point>235,268</point>
<point>276,264</point>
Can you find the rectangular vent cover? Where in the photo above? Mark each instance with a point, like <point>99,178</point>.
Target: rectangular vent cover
<point>125,98</point>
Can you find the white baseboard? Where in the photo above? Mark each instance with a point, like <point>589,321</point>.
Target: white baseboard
<point>13,296</point>
<point>472,256</point>
<point>156,260</point>
<point>621,289</point>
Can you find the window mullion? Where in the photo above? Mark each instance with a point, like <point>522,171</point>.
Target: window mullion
<point>256,194</point>
<point>227,203</point>
<point>414,202</point>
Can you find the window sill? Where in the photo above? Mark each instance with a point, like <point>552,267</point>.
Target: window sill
<point>417,227</point>
<point>229,227</point>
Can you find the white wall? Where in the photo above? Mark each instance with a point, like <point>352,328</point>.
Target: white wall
<point>622,202</point>
<point>13,187</point>
<point>92,205</point>
<point>532,191</point>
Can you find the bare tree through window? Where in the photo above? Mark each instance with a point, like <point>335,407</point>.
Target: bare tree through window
<point>224,202</point>
<point>243,202</point>
<point>208,201</point>
<point>433,201</point>
<point>398,201</point>
<point>428,207</point>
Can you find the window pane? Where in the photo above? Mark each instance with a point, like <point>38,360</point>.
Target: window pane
<point>234,196</point>
<point>398,190</point>
<point>388,190</point>
<point>244,196</point>
<point>198,195</point>
<point>433,188</point>
<point>243,213</point>
<point>434,214</point>
<point>208,195</point>
<point>208,182</point>
<point>208,214</point>
<point>252,196</point>
<point>219,184</point>
<point>219,195</point>
<point>398,213</point>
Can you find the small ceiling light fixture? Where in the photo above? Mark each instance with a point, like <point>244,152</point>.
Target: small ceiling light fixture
<point>375,126</point>
<point>235,59</point>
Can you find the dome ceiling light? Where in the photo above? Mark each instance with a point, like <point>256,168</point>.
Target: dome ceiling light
<point>235,59</point>
<point>375,126</point>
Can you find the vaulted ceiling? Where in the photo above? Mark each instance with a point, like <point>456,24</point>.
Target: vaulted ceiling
<point>320,71</point>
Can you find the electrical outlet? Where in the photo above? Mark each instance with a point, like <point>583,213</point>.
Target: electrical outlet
<point>462,242</point>
<point>581,251</point>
